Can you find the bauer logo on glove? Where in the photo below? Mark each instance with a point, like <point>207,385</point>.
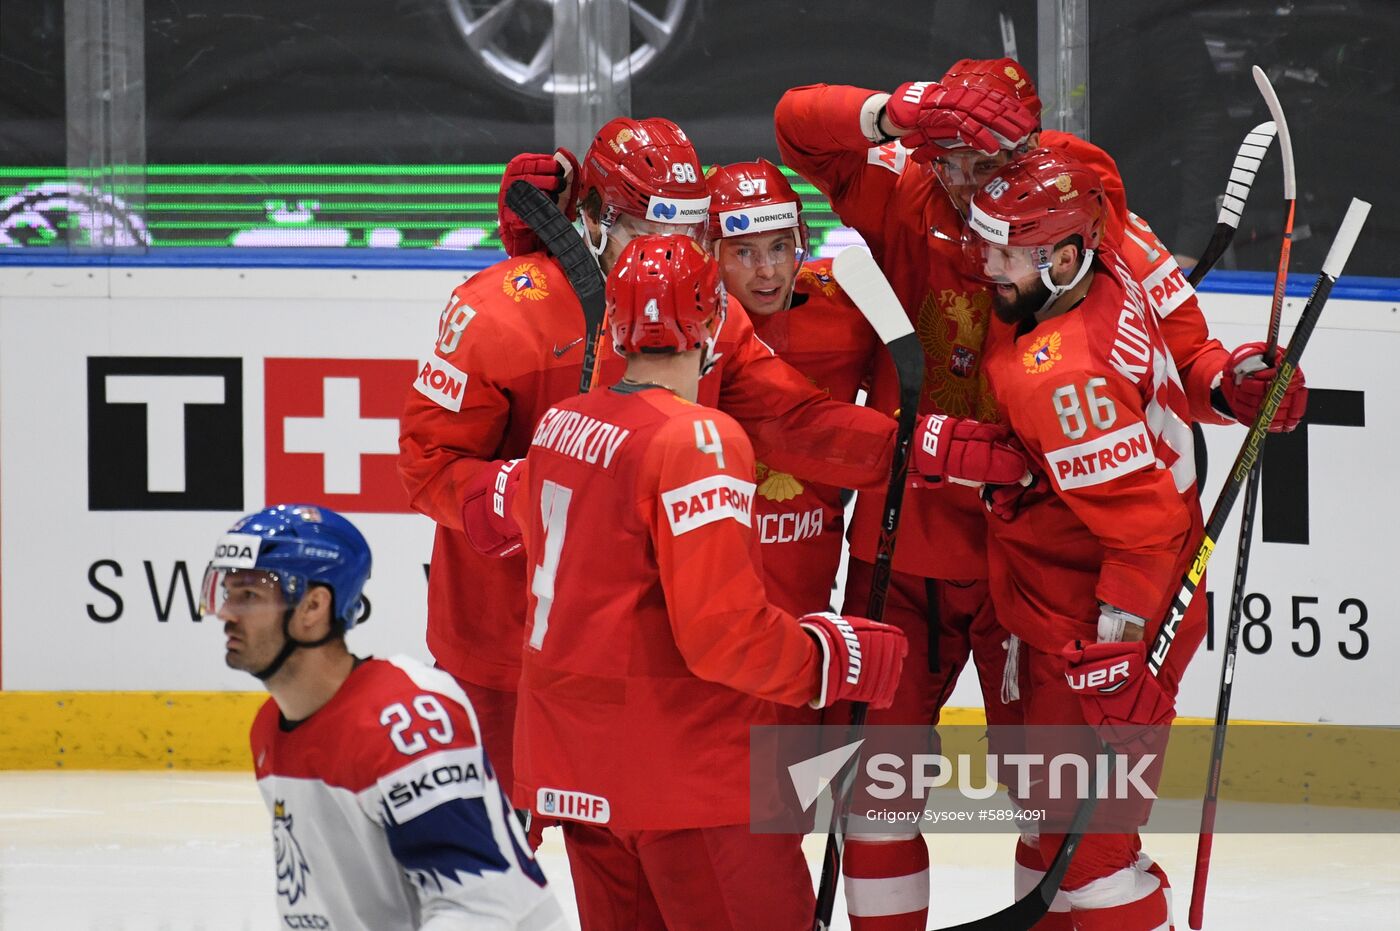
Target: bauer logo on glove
<point>1106,679</point>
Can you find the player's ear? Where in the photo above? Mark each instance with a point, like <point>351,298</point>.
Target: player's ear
<point>314,617</point>
<point>1065,261</point>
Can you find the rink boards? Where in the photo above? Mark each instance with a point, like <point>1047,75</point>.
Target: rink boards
<point>143,408</point>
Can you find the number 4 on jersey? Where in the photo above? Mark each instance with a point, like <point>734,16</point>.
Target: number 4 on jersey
<point>707,440</point>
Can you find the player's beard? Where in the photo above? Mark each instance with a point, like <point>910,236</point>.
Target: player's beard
<point>1023,306</point>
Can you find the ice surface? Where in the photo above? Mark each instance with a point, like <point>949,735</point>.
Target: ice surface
<point>88,851</point>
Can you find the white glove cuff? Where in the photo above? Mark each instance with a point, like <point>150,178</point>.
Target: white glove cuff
<point>820,635</point>
<point>870,119</point>
<point>1112,621</point>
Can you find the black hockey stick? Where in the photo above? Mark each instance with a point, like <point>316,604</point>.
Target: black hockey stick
<point>1242,173</point>
<point>559,236</point>
<point>855,270</point>
<point>1251,496</point>
<point>1022,914</point>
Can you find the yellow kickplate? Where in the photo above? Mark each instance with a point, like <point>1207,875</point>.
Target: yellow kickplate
<point>126,730</point>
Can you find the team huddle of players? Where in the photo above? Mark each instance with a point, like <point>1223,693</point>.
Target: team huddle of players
<point>624,582</point>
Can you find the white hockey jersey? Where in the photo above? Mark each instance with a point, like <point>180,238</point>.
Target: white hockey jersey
<point>386,815</point>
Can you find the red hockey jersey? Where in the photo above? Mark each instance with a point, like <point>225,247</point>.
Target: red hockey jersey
<point>799,522</point>
<point>914,232</point>
<point>508,346</point>
<point>1095,397</point>
<point>650,643</point>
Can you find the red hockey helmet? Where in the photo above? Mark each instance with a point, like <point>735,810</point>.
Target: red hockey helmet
<point>753,197</point>
<point>963,168</point>
<point>663,296</point>
<point>1028,208</point>
<point>646,169</point>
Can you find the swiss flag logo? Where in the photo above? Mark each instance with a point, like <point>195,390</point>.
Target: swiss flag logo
<point>333,432</point>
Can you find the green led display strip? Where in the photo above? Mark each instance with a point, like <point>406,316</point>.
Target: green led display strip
<point>287,206</point>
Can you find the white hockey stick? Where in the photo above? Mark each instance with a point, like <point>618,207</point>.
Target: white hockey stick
<point>867,287</point>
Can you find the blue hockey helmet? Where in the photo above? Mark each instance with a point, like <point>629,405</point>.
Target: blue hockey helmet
<point>298,545</point>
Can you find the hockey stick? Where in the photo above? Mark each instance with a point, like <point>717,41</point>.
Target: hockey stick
<point>1251,153</point>
<point>559,236</point>
<point>855,270</point>
<point>1251,495</point>
<point>1022,914</point>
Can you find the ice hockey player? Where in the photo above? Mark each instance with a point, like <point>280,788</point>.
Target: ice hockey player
<point>901,170</point>
<point>651,647</point>
<point>1083,376</point>
<point>386,814</point>
<point>798,309</point>
<point>938,592</point>
<point>509,344</point>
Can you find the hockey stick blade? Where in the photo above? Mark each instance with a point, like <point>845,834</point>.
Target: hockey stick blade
<point>1019,916</point>
<point>1242,173</point>
<point>543,216</point>
<point>1225,690</point>
<point>855,270</point>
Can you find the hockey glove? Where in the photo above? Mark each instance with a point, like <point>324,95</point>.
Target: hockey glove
<point>1118,695</point>
<point>967,452</point>
<point>556,175</point>
<point>486,514</point>
<point>1243,382</point>
<point>860,658</point>
<point>934,118</point>
<point>1006,501</point>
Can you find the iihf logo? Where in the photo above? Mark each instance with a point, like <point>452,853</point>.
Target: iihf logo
<point>292,868</point>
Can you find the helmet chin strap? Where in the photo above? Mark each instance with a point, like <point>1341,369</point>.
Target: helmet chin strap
<point>710,358</point>
<point>1058,289</point>
<point>289,646</point>
<point>799,256</point>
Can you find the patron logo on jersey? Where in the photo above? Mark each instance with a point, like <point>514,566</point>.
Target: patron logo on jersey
<point>1167,288</point>
<point>165,434</point>
<point>431,781</point>
<point>332,432</point>
<point>1102,459</point>
<point>717,497</point>
<point>574,806</point>
<point>442,383</point>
